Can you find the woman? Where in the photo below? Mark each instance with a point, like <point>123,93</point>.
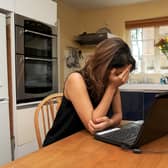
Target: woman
<point>91,96</point>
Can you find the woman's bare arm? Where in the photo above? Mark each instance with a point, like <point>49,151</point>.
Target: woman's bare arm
<point>104,122</point>
<point>76,91</point>
<point>117,109</point>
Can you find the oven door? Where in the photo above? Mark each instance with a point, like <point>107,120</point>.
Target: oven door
<point>39,45</point>
<point>36,78</point>
<point>38,75</point>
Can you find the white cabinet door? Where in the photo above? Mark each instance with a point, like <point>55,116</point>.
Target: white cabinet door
<point>25,137</point>
<point>5,145</point>
<point>3,58</point>
<point>7,4</point>
<point>25,125</point>
<point>41,10</point>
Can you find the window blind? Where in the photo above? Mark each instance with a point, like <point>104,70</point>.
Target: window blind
<point>146,22</point>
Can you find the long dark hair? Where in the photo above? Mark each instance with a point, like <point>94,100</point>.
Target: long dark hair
<point>110,53</point>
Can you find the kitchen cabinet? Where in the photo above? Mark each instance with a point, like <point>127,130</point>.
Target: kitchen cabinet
<point>25,137</point>
<point>132,105</point>
<point>23,117</point>
<point>41,10</point>
<point>3,58</point>
<point>135,104</point>
<point>7,5</point>
<point>5,143</point>
<point>148,99</point>
<point>44,11</point>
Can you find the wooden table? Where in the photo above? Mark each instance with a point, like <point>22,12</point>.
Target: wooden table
<point>81,150</point>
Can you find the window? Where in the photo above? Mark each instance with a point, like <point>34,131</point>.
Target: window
<point>142,36</point>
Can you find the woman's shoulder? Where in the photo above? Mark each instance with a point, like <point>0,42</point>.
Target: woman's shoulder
<point>75,76</point>
<point>74,84</point>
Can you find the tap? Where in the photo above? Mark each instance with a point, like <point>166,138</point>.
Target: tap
<point>164,80</point>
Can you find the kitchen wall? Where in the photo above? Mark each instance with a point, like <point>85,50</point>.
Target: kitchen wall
<point>115,17</point>
<point>74,21</point>
<point>69,25</point>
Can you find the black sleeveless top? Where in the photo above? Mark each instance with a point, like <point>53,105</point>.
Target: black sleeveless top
<point>67,121</point>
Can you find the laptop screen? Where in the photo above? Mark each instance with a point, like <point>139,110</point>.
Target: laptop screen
<point>155,124</point>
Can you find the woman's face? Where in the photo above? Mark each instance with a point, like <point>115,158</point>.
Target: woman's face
<point>120,70</point>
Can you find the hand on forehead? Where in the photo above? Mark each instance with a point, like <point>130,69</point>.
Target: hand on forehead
<point>122,69</point>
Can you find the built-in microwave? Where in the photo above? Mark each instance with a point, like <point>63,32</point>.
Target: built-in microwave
<point>36,59</point>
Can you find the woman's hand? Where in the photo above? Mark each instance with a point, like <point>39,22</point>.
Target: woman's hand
<point>99,124</point>
<point>117,79</point>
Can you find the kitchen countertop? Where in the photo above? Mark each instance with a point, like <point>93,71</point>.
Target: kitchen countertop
<point>144,87</point>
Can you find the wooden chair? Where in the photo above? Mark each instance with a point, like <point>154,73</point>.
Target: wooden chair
<point>45,114</point>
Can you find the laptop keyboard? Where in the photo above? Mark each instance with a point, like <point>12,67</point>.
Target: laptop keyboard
<point>126,135</point>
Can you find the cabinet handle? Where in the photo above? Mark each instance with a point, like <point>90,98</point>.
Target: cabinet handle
<point>3,99</point>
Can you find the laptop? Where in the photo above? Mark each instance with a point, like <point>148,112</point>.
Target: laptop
<point>136,133</point>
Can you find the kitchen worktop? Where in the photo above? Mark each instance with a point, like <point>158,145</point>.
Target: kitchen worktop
<point>144,87</point>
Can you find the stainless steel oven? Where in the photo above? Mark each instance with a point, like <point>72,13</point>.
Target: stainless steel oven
<point>36,59</point>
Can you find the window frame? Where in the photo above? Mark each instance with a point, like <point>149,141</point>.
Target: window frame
<point>152,22</point>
